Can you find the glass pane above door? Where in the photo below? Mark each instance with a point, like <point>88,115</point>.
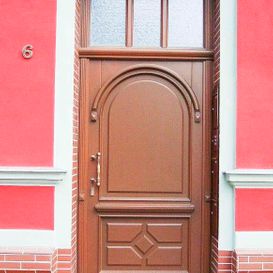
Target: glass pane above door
<point>108,22</point>
<point>185,23</point>
<point>147,18</point>
<point>147,23</point>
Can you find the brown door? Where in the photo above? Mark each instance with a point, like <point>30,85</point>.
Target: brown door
<point>144,169</point>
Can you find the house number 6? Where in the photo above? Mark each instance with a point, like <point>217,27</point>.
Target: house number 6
<point>27,51</point>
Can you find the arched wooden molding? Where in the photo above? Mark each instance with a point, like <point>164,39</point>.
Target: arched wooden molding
<point>156,70</point>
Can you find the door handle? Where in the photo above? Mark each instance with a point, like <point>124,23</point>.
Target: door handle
<point>96,181</point>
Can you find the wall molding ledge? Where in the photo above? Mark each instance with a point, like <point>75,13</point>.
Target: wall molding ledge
<point>250,178</point>
<point>31,176</point>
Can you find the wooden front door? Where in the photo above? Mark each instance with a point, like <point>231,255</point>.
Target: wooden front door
<point>144,169</point>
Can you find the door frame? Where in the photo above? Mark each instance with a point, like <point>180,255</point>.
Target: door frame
<point>85,54</point>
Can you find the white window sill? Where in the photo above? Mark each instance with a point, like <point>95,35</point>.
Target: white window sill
<point>31,176</point>
<point>250,178</point>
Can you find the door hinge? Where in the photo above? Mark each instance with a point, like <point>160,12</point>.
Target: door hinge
<point>215,140</point>
<point>210,199</point>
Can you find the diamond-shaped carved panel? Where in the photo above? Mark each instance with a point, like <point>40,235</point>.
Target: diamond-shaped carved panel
<point>144,244</point>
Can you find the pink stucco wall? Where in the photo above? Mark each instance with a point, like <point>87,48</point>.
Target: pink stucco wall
<point>255,84</point>
<point>253,208</point>
<point>27,207</point>
<point>27,108</point>
<point>27,86</point>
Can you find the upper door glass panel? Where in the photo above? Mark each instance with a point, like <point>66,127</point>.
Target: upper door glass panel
<point>108,22</point>
<point>147,23</point>
<point>185,23</point>
<point>147,15</point>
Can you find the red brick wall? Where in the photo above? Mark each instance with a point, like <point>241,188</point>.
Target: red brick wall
<point>215,122</point>
<point>254,261</point>
<point>216,42</point>
<point>222,261</point>
<point>75,139</point>
<point>215,136</point>
<point>214,255</point>
<point>35,260</point>
<point>240,261</point>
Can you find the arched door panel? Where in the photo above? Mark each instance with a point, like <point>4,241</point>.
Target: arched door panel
<point>145,140</point>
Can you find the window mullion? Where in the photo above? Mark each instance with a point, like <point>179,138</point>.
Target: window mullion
<point>164,23</point>
<point>129,22</point>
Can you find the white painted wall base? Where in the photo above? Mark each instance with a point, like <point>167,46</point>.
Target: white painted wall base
<point>254,240</point>
<point>27,238</point>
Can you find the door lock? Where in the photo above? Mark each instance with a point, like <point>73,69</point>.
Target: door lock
<point>93,182</point>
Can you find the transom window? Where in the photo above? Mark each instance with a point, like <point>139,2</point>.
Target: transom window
<point>147,23</point>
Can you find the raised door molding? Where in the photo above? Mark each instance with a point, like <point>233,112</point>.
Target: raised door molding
<point>250,178</point>
<point>30,176</point>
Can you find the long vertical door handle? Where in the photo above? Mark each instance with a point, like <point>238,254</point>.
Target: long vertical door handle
<point>97,157</point>
<point>98,168</point>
